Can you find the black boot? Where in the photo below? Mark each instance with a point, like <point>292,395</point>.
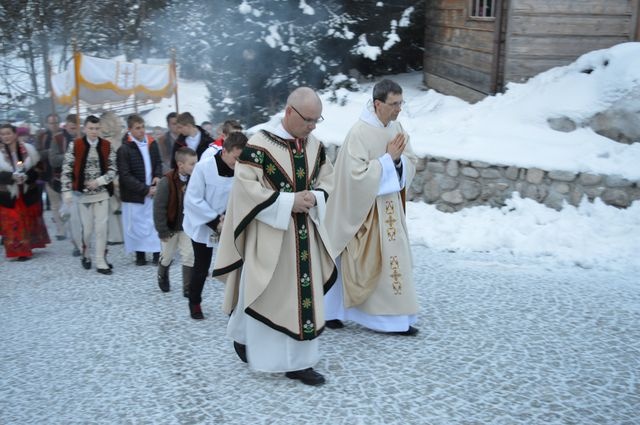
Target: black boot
<point>241,351</point>
<point>156,258</point>
<point>163,278</point>
<point>196,311</point>
<point>141,260</point>
<point>186,279</point>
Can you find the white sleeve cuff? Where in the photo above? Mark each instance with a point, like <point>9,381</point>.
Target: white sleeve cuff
<point>318,212</point>
<point>389,182</point>
<point>278,214</point>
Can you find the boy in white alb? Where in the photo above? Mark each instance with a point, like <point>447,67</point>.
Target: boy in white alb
<point>204,206</point>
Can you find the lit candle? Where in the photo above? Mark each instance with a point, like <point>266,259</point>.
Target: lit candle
<point>19,172</point>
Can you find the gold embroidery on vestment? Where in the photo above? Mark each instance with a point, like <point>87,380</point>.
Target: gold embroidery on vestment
<point>396,282</point>
<point>391,220</point>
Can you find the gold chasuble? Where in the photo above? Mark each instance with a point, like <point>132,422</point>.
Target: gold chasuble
<point>368,230</point>
<point>285,272</point>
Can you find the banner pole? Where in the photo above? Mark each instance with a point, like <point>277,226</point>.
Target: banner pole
<point>135,92</point>
<point>174,71</point>
<point>76,67</point>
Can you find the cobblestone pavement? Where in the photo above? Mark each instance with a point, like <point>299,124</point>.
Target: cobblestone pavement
<point>503,341</point>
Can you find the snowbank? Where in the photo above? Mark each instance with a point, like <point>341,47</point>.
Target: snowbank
<point>590,235</point>
<point>511,128</point>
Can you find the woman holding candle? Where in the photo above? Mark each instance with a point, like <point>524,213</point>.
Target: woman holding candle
<point>21,223</point>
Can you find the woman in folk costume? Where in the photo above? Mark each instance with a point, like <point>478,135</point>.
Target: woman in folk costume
<point>139,170</point>
<point>273,253</point>
<point>366,221</point>
<point>21,224</point>
<point>112,129</point>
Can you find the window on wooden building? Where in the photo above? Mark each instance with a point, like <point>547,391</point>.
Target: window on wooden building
<point>482,9</point>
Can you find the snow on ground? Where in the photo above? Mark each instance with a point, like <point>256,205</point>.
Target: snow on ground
<point>503,340</point>
<point>592,235</point>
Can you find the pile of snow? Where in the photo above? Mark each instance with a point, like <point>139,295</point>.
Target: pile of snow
<point>590,235</point>
<point>511,128</point>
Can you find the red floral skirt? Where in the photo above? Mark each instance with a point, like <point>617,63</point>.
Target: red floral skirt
<point>22,228</point>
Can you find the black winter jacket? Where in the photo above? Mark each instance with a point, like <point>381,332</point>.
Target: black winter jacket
<point>131,172</point>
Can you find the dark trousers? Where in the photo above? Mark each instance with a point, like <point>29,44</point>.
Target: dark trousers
<point>201,263</point>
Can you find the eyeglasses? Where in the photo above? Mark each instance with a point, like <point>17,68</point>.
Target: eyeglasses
<point>309,121</point>
<point>397,104</point>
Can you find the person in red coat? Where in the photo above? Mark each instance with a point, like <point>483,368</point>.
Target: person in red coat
<point>21,224</point>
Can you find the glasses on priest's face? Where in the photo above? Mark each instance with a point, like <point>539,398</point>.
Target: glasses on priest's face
<point>308,121</point>
<point>398,104</point>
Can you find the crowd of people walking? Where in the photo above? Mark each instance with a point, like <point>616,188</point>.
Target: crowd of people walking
<point>303,244</point>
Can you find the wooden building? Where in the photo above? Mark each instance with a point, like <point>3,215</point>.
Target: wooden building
<point>474,47</point>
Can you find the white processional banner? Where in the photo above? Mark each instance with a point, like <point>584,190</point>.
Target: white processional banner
<point>104,80</point>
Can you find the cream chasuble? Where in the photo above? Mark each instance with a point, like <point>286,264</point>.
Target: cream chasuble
<point>275,260</point>
<point>368,231</point>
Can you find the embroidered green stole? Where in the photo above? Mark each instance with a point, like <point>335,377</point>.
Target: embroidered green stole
<point>302,175</point>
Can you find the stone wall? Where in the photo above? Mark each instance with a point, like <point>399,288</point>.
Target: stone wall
<point>454,184</point>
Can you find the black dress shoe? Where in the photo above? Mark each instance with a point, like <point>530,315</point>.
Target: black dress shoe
<point>104,271</point>
<point>241,351</point>
<point>156,258</point>
<point>306,376</point>
<point>86,263</point>
<point>140,259</point>
<point>409,332</point>
<point>23,259</point>
<point>334,324</point>
<point>196,311</point>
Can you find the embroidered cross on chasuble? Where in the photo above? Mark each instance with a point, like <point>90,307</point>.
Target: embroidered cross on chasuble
<point>302,175</point>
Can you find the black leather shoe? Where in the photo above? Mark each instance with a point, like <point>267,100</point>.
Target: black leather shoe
<point>334,324</point>
<point>241,351</point>
<point>140,259</point>
<point>86,263</point>
<point>196,311</point>
<point>306,376</point>
<point>156,258</point>
<point>409,332</point>
<point>104,271</point>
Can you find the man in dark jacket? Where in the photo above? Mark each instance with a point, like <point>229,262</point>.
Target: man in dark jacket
<point>139,169</point>
<point>168,216</point>
<point>191,135</point>
<point>49,139</point>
